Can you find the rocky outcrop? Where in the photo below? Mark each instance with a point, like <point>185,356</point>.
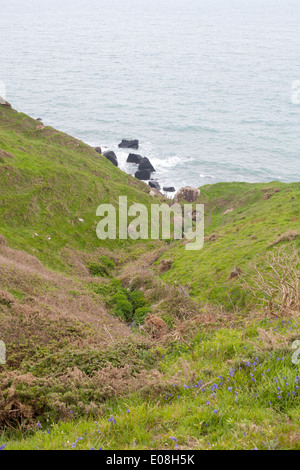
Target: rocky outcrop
<point>154,184</point>
<point>187,194</point>
<point>145,164</point>
<point>4,103</point>
<point>156,326</point>
<point>111,156</point>
<point>134,158</point>
<point>228,211</point>
<point>153,192</point>
<point>143,175</point>
<point>98,149</point>
<point>129,144</point>
<point>169,189</point>
<point>164,266</point>
<point>236,272</point>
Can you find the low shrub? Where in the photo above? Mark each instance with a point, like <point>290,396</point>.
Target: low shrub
<point>140,315</point>
<point>98,270</point>
<point>108,263</point>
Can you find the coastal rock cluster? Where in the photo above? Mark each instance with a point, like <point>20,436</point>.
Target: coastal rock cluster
<point>144,166</point>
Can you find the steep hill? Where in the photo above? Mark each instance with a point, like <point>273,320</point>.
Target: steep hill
<point>51,185</point>
<point>172,342</point>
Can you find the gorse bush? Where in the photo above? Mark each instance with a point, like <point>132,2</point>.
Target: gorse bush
<point>130,306</point>
<point>106,290</point>
<point>140,314</point>
<point>137,299</point>
<point>123,308</point>
<point>108,263</point>
<point>103,268</point>
<point>98,270</point>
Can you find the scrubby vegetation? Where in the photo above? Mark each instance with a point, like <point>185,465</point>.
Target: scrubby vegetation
<point>141,345</point>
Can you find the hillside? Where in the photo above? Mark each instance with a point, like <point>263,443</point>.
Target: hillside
<point>243,223</point>
<point>51,185</point>
<point>170,342</point>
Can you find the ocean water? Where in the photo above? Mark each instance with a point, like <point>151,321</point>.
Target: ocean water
<point>209,87</point>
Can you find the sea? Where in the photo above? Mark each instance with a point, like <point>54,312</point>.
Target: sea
<point>210,88</point>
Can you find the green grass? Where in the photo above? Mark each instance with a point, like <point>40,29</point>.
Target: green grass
<point>49,182</point>
<point>60,373</point>
<point>239,408</point>
<point>243,237</point>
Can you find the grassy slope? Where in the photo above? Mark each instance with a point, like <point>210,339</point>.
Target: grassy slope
<point>48,183</point>
<point>251,400</point>
<point>243,237</point>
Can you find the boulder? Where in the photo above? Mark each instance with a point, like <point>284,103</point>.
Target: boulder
<point>145,164</point>
<point>111,156</point>
<point>129,144</point>
<point>98,149</point>
<point>169,189</point>
<point>156,326</point>
<point>228,211</point>
<point>134,158</point>
<point>165,265</point>
<point>236,272</point>
<point>187,194</point>
<point>154,184</point>
<point>143,175</point>
<point>4,103</point>
<point>153,192</point>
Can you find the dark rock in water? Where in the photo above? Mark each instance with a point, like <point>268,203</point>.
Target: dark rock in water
<point>169,189</point>
<point>134,158</point>
<point>143,175</point>
<point>111,156</point>
<point>98,149</point>
<point>154,184</point>
<point>129,144</point>
<point>146,165</point>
